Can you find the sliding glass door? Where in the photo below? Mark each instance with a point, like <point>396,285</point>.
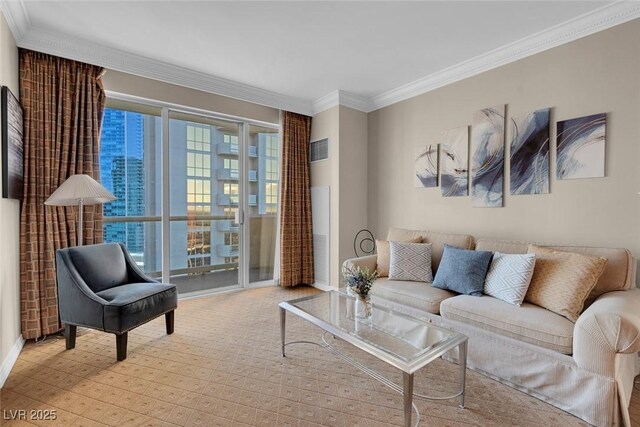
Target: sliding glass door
<point>263,179</point>
<point>130,167</point>
<point>204,185</point>
<point>197,195</point>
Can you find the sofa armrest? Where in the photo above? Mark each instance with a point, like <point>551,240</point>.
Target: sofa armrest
<point>77,303</point>
<point>610,326</point>
<point>134,272</point>
<point>369,261</point>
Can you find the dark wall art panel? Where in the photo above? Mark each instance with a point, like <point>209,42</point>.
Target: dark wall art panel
<point>530,153</point>
<point>12,146</point>
<point>580,147</point>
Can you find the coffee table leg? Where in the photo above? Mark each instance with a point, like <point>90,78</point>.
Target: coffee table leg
<point>283,318</point>
<point>462,361</point>
<point>407,392</point>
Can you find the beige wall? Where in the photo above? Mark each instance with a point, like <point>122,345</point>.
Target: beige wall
<point>143,87</point>
<point>353,178</point>
<point>599,73</point>
<point>345,172</point>
<point>9,218</point>
<point>325,173</point>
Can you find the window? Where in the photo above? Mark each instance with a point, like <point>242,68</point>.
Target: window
<point>231,190</point>
<point>130,168</point>
<point>198,137</point>
<point>203,188</point>
<point>198,164</point>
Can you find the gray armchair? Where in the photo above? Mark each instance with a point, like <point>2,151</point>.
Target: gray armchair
<point>101,287</point>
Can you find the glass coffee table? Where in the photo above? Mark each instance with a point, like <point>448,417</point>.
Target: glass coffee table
<point>402,341</point>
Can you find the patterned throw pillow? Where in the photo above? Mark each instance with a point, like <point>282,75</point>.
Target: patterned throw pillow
<point>462,270</point>
<point>562,281</point>
<point>384,255</point>
<point>410,261</point>
<point>509,276</point>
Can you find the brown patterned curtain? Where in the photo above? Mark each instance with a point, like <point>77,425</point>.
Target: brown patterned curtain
<point>296,238</point>
<point>63,103</point>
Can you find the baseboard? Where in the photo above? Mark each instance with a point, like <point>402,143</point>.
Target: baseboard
<point>10,360</point>
<point>323,287</point>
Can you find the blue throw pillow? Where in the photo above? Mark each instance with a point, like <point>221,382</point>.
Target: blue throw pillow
<point>462,270</point>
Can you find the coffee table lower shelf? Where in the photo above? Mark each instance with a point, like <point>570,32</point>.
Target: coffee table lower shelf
<point>407,384</point>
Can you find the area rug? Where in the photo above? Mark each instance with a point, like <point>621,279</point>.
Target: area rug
<point>223,367</point>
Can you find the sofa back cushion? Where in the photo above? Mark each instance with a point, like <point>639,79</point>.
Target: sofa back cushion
<point>437,240</point>
<point>101,266</point>
<point>562,281</point>
<point>619,273</point>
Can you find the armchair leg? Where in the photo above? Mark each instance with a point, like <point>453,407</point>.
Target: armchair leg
<point>169,317</point>
<point>70,336</point>
<point>121,346</point>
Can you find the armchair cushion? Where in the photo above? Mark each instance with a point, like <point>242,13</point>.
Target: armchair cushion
<point>100,266</point>
<point>135,303</point>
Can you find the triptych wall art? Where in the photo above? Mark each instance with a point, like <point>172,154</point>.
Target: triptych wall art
<point>580,148</point>
<point>454,168</point>
<point>487,157</point>
<point>530,153</point>
<point>475,166</point>
<point>426,166</point>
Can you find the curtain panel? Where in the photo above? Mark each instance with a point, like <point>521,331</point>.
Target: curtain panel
<point>296,234</point>
<point>63,103</point>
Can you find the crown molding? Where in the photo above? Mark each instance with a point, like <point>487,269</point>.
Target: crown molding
<point>592,22</point>
<point>326,102</point>
<point>340,97</point>
<point>115,59</point>
<point>16,15</point>
<point>58,44</point>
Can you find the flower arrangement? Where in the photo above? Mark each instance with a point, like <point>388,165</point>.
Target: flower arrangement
<point>359,280</point>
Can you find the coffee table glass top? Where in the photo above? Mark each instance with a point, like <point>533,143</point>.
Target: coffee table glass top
<point>403,341</point>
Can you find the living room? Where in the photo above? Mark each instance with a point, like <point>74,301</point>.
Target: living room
<point>378,100</point>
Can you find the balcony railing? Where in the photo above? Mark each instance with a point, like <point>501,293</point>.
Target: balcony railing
<point>185,274</point>
<point>227,200</point>
<point>228,174</point>
<point>228,149</point>
<point>228,225</point>
<point>227,250</point>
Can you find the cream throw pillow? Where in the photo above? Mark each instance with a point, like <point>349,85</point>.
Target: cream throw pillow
<point>384,255</point>
<point>562,281</point>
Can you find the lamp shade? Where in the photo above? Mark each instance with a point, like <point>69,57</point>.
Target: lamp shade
<point>80,188</point>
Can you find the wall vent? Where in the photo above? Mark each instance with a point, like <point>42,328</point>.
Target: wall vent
<point>321,244</point>
<point>319,150</point>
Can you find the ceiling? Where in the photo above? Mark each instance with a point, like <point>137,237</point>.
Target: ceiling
<point>305,55</point>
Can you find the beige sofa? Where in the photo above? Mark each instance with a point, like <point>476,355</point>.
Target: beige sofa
<point>586,368</point>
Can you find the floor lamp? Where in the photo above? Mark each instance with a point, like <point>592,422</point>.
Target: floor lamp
<point>79,190</point>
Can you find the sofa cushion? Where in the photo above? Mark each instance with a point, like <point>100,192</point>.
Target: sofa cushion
<point>463,270</point>
<point>509,276</point>
<point>133,304</point>
<point>562,281</point>
<point>437,240</point>
<point>384,254</point>
<point>528,323</point>
<point>410,261</point>
<point>619,273</point>
<point>421,296</point>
